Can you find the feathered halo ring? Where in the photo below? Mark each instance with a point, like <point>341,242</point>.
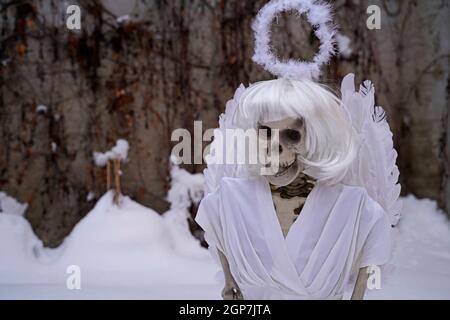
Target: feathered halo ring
<point>319,16</point>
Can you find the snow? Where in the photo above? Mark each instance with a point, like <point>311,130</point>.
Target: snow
<point>186,189</point>
<point>54,147</point>
<point>422,254</point>
<point>131,252</point>
<point>128,247</point>
<point>41,109</point>
<point>90,196</point>
<point>344,45</point>
<point>11,205</point>
<point>123,19</point>
<point>119,151</point>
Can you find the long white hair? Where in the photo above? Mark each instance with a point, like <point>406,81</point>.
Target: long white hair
<point>330,139</point>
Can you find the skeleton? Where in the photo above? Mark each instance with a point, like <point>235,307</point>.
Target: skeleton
<point>290,187</point>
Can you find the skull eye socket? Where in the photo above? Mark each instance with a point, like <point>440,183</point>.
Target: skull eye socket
<point>267,131</point>
<point>292,135</point>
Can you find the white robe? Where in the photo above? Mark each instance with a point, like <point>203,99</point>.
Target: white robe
<point>340,229</point>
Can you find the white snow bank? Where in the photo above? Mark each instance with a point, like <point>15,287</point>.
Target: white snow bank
<point>119,151</point>
<point>421,256</point>
<point>129,245</point>
<point>134,242</point>
<point>131,252</point>
<point>18,248</point>
<point>186,190</point>
<point>11,205</point>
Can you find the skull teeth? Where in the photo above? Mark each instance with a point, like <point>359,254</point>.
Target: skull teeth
<point>281,172</point>
<point>284,176</point>
<point>286,164</point>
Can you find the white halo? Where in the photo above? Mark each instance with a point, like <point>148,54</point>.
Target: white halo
<point>318,15</point>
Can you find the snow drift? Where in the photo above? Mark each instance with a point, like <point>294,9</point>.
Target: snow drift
<point>124,245</point>
<point>132,252</point>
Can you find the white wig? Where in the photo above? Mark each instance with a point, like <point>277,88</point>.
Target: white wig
<point>330,142</point>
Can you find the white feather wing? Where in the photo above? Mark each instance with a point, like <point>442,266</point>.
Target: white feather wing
<point>217,169</point>
<point>375,167</point>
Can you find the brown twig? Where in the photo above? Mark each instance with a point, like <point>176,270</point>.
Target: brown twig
<point>117,180</point>
<point>108,175</point>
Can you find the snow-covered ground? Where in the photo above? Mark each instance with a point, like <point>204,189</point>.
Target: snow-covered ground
<point>131,252</point>
<point>422,255</point>
<point>126,251</point>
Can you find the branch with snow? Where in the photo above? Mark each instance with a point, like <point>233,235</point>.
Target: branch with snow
<point>118,154</point>
<point>119,151</point>
<point>185,188</point>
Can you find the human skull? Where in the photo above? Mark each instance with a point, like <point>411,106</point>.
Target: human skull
<point>290,142</point>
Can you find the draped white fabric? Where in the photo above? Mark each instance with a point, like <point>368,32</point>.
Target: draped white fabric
<point>339,230</point>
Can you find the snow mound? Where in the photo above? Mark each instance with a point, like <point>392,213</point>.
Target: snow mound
<point>20,249</point>
<point>11,205</point>
<point>186,190</point>
<point>19,246</point>
<point>126,245</point>
<point>109,230</point>
<point>421,256</point>
<point>130,251</point>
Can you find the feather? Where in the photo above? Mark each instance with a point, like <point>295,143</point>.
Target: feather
<point>216,169</point>
<point>319,16</point>
<point>375,167</point>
